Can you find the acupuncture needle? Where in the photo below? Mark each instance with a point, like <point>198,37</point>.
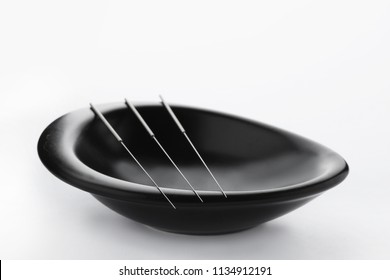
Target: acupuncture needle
<point>149,130</point>
<point>180,126</point>
<point>119,139</point>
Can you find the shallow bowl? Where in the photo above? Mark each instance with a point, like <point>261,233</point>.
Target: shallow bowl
<point>265,171</point>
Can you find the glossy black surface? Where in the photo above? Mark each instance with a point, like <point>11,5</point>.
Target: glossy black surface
<point>266,172</point>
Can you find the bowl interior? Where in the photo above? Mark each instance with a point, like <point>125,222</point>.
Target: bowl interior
<point>243,155</point>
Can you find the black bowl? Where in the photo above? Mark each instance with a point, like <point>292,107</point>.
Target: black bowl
<point>265,171</point>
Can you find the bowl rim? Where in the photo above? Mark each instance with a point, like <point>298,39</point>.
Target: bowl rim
<point>56,149</point>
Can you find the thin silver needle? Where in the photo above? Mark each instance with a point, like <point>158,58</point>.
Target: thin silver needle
<point>116,135</point>
<point>169,109</point>
<point>149,130</point>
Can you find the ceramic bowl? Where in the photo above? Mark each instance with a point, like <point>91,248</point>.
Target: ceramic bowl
<point>265,171</point>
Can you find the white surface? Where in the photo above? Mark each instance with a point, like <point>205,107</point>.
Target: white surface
<point>318,68</point>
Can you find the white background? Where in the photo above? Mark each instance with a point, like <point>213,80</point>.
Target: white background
<point>317,68</point>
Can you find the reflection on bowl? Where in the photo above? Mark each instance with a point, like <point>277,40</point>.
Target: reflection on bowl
<point>265,171</point>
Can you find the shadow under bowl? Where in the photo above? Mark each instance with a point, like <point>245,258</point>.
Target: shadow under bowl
<point>265,171</point>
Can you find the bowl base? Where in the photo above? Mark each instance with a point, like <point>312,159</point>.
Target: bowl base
<point>203,233</point>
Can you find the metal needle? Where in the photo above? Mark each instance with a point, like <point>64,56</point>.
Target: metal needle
<point>149,130</point>
<point>169,109</point>
<point>116,135</point>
